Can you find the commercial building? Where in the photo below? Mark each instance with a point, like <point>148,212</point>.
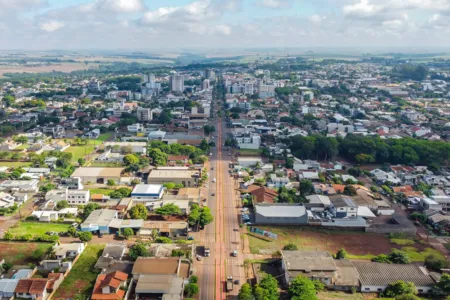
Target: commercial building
<point>188,178</point>
<point>133,147</point>
<point>99,220</point>
<point>249,161</point>
<point>20,185</point>
<point>248,141</point>
<point>281,214</point>
<point>98,175</point>
<point>143,193</point>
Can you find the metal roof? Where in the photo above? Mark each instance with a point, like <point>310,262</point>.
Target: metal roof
<point>379,274</point>
<point>280,210</point>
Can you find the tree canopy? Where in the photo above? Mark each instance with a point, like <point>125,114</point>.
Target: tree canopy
<point>302,288</point>
<point>139,211</point>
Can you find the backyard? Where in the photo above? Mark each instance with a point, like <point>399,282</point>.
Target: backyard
<point>81,279</point>
<point>37,228</point>
<point>105,192</point>
<point>359,245</point>
<point>19,253</point>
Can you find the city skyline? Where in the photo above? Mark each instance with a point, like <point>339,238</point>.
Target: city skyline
<point>140,24</point>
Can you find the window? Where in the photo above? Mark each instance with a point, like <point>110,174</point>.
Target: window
<point>380,290</point>
<point>367,289</point>
<point>420,290</point>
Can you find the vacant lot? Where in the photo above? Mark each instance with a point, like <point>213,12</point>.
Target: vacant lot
<point>359,245</point>
<point>37,228</point>
<point>80,151</point>
<point>20,253</point>
<point>101,191</point>
<point>81,278</point>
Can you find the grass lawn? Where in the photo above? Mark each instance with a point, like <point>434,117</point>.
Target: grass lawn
<point>402,242</point>
<point>81,278</point>
<point>416,255</point>
<point>22,147</point>
<point>80,151</point>
<point>14,164</point>
<point>101,191</point>
<point>19,253</point>
<point>104,136</point>
<point>249,151</point>
<point>37,228</point>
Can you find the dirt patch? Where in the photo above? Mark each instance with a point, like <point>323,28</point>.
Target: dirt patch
<point>77,288</point>
<point>356,243</point>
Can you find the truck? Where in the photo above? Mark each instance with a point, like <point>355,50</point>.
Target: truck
<point>230,283</point>
<point>207,251</point>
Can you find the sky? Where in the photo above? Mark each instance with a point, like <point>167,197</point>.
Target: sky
<point>184,24</point>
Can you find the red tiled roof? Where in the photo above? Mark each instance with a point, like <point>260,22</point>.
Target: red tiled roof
<point>402,189</point>
<point>52,278</point>
<point>113,280</point>
<point>339,188</point>
<point>31,285</point>
<point>262,194</point>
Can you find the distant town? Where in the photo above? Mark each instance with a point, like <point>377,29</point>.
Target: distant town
<point>280,177</point>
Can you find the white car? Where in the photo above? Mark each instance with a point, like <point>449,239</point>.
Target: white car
<point>214,180</point>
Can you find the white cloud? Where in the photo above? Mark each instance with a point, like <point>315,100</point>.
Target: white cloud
<point>316,19</point>
<point>51,26</point>
<point>21,4</point>
<point>162,14</point>
<point>120,6</point>
<point>274,3</point>
<point>223,29</point>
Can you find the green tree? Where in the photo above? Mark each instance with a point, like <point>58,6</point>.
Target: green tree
<point>245,293</point>
<point>205,216</point>
<point>72,231</point>
<point>85,236</point>
<point>81,161</point>
<point>306,187</point>
<point>138,250</point>
<point>191,289</point>
<point>435,262</point>
<point>443,286</point>
<point>350,190</point>
<point>194,215</point>
<point>400,288</point>
<point>207,129</point>
<point>341,254</point>
<point>7,266</point>
<point>110,182</point>
<point>302,288</point>
<point>8,236</point>
<point>290,247</point>
<point>158,157</point>
<point>270,286</point>
<point>62,204</point>
<point>20,139</point>
<point>139,211</point>
<point>163,240</point>
<point>168,210</point>
<point>165,117</point>
<point>382,258</point>
<point>193,279</point>
<point>89,208</point>
<point>399,257</point>
<point>127,232</point>
<point>130,159</point>
<point>37,255</point>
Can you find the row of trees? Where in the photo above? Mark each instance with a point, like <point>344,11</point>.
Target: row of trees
<point>301,288</point>
<point>372,149</point>
<point>159,151</point>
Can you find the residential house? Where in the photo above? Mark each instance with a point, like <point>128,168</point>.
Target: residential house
<point>246,162</point>
<point>71,250</point>
<point>9,145</point>
<point>6,200</point>
<point>109,286</point>
<point>173,160</point>
<point>381,176</point>
<point>8,285</point>
<point>375,277</point>
<point>33,288</point>
<point>262,194</point>
<point>46,216</point>
<point>98,175</point>
<point>277,182</point>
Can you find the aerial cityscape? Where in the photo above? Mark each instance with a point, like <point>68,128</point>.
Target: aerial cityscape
<point>216,150</point>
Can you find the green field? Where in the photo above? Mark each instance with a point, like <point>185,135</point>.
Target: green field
<point>104,137</point>
<point>14,164</point>
<point>101,191</point>
<point>255,152</point>
<point>81,279</point>
<point>80,151</point>
<point>37,228</point>
<point>420,256</point>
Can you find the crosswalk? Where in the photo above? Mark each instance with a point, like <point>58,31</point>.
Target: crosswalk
<point>207,240</point>
<point>233,262</point>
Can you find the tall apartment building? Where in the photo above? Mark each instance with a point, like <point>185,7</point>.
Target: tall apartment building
<point>177,83</point>
<point>144,114</point>
<point>210,74</point>
<point>206,84</point>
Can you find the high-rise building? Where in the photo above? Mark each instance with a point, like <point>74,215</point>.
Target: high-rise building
<point>177,83</point>
<point>210,74</point>
<point>144,114</point>
<point>206,84</point>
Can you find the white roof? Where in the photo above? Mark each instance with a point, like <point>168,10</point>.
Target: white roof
<point>147,189</point>
<point>364,211</point>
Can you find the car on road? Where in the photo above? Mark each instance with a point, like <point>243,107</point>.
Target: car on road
<point>248,223</point>
<point>74,225</point>
<point>212,194</point>
<point>245,217</point>
<point>245,209</point>
<point>214,180</point>
<point>237,282</point>
<point>212,168</point>
<point>234,253</point>
<point>190,238</point>
<point>199,258</point>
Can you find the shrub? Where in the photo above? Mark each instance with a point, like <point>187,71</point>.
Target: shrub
<point>291,247</point>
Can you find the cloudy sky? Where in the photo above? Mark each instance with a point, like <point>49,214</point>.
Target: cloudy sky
<point>153,24</point>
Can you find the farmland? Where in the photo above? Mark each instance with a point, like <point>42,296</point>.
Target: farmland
<point>61,67</point>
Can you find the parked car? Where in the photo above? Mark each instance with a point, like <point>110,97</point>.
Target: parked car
<point>234,253</point>
<point>190,238</point>
<point>198,257</point>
